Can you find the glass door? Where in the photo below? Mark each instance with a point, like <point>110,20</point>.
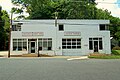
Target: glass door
<point>32,47</point>
<point>95,46</point>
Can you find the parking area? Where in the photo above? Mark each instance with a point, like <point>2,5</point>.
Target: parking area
<point>58,69</point>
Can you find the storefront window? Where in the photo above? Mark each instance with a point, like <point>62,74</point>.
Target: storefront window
<point>45,44</point>
<point>71,43</point>
<point>19,44</point>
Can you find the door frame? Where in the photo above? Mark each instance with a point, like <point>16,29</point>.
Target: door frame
<point>96,46</point>
<point>29,45</point>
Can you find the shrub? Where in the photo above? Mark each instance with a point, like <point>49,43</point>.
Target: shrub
<point>116,48</point>
<point>115,52</point>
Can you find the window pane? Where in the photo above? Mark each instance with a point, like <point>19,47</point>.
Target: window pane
<point>44,43</point>
<point>49,39</point>
<point>14,28</point>
<point>68,47</point>
<point>102,27</point>
<point>24,45</point>
<point>63,43</point>
<point>39,39</point>
<point>100,45</point>
<point>68,40</point>
<point>78,46</point>
<point>18,28</point>
<point>100,39</point>
<point>61,27</point>
<point>49,48</point>
<point>73,43</point>
<point>19,46</point>
<point>14,40</point>
<point>49,43</point>
<point>78,43</point>
<point>73,47</point>
<point>68,43</point>
<point>63,39</point>
<point>19,40</point>
<point>64,47</point>
<point>78,40</point>
<point>90,45</point>
<point>90,38</point>
<point>40,44</point>
<point>14,46</point>
<point>95,38</point>
<point>74,40</point>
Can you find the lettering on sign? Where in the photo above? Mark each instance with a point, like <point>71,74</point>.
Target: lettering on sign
<point>32,33</point>
<point>70,33</point>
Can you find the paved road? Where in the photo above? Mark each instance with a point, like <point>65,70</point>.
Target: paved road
<point>58,69</point>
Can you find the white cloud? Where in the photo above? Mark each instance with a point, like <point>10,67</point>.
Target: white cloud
<point>110,6</point>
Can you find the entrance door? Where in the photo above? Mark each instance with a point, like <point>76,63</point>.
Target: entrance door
<point>95,46</point>
<point>32,47</point>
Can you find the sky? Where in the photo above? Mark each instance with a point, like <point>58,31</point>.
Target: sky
<point>111,5</point>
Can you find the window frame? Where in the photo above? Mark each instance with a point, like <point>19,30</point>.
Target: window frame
<point>103,27</point>
<point>99,39</point>
<point>45,44</point>
<point>20,44</point>
<point>71,43</point>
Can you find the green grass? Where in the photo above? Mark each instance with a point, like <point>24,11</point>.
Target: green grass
<point>106,57</point>
<point>118,51</point>
<point>114,55</point>
<point>115,52</point>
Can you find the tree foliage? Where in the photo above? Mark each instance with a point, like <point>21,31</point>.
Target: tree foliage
<point>45,9</point>
<point>4,26</point>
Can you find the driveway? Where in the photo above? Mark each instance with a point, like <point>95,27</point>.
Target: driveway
<point>58,69</point>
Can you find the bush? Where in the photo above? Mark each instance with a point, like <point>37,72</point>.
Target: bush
<point>115,52</point>
<point>116,48</point>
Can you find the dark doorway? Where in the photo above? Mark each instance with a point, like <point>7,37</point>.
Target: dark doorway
<point>32,47</point>
<point>95,46</point>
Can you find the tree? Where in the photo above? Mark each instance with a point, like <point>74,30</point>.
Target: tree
<point>4,29</point>
<point>5,18</point>
<point>1,30</point>
<point>45,9</point>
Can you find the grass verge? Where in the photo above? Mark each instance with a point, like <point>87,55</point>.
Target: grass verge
<point>105,57</point>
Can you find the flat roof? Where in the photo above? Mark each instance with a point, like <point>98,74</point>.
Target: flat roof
<point>64,21</point>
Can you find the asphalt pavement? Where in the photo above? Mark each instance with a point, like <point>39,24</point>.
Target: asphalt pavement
<point>59,69</point>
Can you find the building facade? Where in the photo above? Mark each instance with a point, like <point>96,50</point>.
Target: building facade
<point>60,37</point>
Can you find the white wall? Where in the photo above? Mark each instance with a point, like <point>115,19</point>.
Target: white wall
<point>87,28</point>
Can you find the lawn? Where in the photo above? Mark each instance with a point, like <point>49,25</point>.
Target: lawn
<point>106,57</point>
<point>114,55</point>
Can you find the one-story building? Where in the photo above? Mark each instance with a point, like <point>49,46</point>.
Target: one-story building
<point>60,37</point>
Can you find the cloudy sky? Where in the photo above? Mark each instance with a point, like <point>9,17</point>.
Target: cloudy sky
<point>111,5</point>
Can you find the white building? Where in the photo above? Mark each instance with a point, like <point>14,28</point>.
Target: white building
<point>68,37</point>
